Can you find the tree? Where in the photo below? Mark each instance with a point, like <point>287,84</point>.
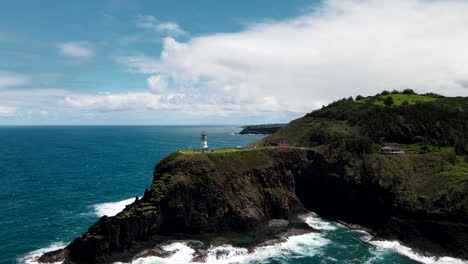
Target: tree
<point>359,97</point>
<point>388,101</point>
<point>405,103</point>
<point>384,92</point>
<point>408,91</point>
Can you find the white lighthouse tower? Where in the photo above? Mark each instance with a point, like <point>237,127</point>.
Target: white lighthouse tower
<point>204,141</point>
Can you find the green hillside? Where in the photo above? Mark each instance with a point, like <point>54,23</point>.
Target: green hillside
<point>430,120</point>
<point>432,174</point>
<point>398,99</point>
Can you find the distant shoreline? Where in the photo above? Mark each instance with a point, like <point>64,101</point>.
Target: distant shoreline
<point>261,129</point>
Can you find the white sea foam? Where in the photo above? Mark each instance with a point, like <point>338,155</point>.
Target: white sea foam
<point>385,246</point>
<point>294,246</point>
<point>112,208</point>
<point>308,244</point>
<point>320,224</point>
<point>33,256</point>
<point>395,246</point>
<point>301,245</point>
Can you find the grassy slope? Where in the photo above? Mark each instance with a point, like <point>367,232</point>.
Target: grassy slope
<point>298,132</point>
<point>428,177</point>
<point>398,99</point>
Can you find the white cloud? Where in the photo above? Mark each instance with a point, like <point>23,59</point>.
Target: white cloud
<point>343,49</point>
<point>157,83</point>
<point>195,105</point>
<point>112,102</point>
<point>150,22</point>
<point>78,50</point>
<point>8,79</point>
<point>140,63</point>
<point>6,111</point>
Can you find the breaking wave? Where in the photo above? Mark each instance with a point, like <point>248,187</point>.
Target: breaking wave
<point>395,246</point>
<point>295,246</point>
<point>111,209</point>
<point>33,256</point>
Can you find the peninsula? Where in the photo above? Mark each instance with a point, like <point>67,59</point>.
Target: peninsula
<point>330,162</point>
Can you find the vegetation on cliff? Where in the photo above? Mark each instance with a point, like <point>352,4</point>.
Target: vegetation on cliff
<point>430,120</point>
<point>427,183</point>
<point>261,129</point>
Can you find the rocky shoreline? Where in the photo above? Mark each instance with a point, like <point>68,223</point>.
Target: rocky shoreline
<point>273,232</point>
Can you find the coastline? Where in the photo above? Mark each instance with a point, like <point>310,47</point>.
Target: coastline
<point>198,252</point>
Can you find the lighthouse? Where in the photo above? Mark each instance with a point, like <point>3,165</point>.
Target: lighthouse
<point>204,141</point>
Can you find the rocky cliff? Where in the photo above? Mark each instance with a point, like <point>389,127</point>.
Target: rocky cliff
<point>203,196</point>
<point>197,196</point>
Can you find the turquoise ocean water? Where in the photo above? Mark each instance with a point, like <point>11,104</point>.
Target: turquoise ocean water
<point>57,180</point>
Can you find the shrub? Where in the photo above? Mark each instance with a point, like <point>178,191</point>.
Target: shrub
<point>388,101</point>
<point>460,148</point>
<point>408,91</point>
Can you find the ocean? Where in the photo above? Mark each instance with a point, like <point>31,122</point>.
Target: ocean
<point>58,180</point>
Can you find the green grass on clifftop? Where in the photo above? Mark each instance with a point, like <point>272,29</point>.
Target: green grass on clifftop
<point>398,99</point>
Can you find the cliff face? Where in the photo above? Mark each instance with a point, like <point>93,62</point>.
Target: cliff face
<point>370,191</point>
<point>196,194</point>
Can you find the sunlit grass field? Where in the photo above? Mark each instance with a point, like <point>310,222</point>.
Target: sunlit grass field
<point>398,99</point>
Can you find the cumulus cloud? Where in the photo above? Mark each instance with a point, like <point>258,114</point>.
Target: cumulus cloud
<point>150,22</point>
<point>8,79</point>
<point>6,111</point>
<point>342,49</point>
<point>157,83</point>
<point>77,50</point>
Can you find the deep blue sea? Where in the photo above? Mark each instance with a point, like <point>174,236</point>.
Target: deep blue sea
<point>57,180</point>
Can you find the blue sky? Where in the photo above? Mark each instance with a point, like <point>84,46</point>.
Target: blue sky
<point>219,62</point>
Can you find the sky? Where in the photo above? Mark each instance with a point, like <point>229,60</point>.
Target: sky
<point>129,62</point>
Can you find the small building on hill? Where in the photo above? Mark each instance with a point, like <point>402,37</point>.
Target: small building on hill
<point>391,150</point>
<point>208,150</point>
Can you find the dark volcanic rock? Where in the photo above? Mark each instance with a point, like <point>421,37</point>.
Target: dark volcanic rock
<point>54,256</point>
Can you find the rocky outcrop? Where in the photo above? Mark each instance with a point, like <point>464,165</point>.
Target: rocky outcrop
<point>197,196</point>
